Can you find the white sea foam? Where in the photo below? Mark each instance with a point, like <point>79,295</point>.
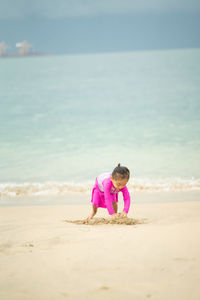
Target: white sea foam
<point>63,188</point>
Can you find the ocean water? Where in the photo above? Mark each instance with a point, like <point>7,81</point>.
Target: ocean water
<point>66,119</point>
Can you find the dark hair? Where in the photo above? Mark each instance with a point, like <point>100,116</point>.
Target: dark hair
<point>120,172</point>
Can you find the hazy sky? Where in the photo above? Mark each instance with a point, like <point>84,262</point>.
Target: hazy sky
<point>84,26</point>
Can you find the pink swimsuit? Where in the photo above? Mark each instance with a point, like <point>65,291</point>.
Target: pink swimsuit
<point>104,193</point>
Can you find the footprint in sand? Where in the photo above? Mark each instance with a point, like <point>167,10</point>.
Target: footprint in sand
<point>28,245</point>
<point>183,259</point>
<point>104,287</point>
<point>64,294</point>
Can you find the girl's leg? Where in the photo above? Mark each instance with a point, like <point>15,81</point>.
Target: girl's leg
<point>115,206</point>
<point>93,213</point>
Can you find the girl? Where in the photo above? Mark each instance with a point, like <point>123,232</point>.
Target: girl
<point>106,189</point>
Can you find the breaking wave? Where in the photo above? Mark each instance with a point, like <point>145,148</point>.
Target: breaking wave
<point>62,188</point>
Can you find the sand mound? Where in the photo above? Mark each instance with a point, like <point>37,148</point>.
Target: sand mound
<point>102,221</point>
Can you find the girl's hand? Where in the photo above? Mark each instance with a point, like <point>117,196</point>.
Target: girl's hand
<point>123,214</point>
<point>114,216</point>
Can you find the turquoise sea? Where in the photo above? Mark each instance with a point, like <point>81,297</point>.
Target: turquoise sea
<point>66,119</point>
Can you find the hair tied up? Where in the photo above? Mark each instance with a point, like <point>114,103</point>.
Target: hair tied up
<point>120,172</point>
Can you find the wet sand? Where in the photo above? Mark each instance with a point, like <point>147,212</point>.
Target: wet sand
<point>156,257</point>
<point>103,221</point>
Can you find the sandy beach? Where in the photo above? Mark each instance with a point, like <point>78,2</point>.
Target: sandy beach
<point>44,257</point>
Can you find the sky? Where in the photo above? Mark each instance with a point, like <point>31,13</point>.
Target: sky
<point>93,26</point>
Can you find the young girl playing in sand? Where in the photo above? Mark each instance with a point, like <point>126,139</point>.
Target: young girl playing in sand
<point>106,189</point>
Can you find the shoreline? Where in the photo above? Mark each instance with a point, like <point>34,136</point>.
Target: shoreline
<point>78,198</point>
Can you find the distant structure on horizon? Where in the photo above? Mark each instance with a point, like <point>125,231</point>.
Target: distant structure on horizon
<point>23,47</point>
<point>23,50</point>
<point>3,48</point>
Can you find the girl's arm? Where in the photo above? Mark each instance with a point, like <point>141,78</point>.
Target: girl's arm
<point>126,197</point>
